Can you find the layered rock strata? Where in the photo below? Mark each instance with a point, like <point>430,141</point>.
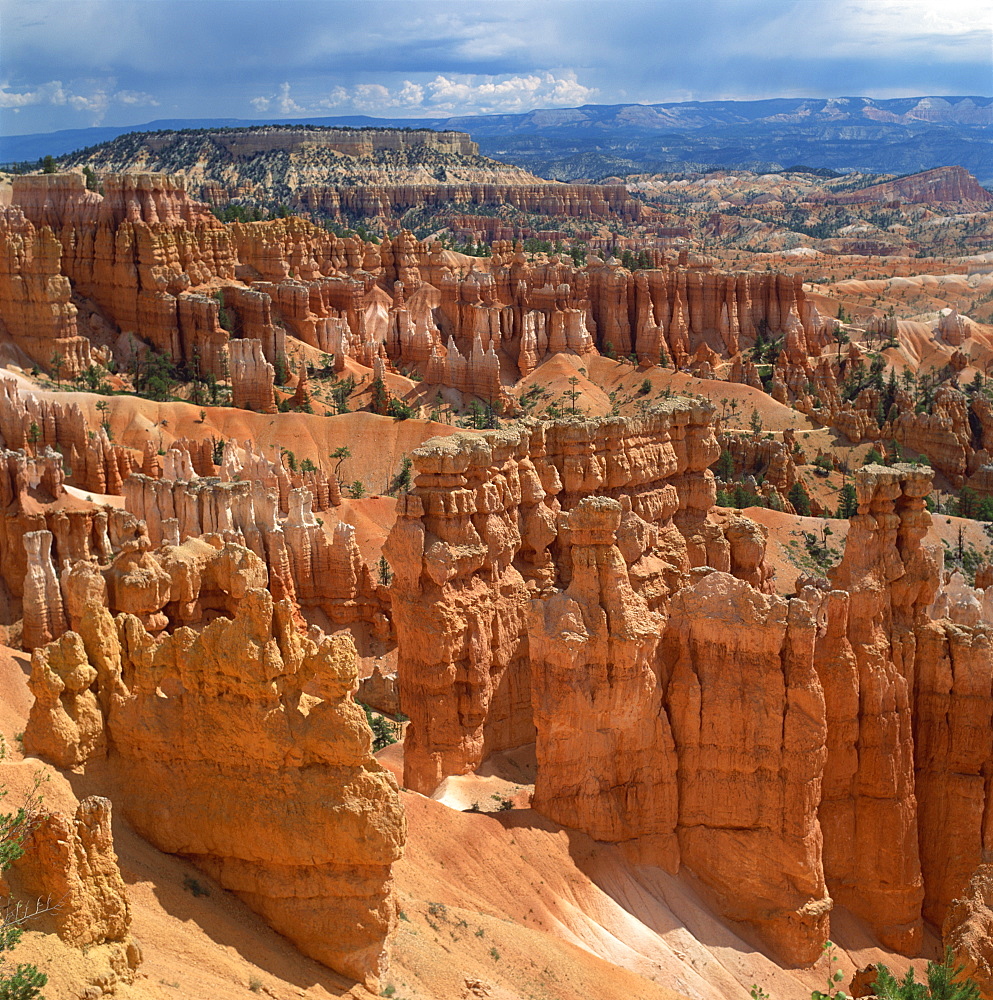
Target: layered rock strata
<point>36,297</point>
<point>478,535</point>
<point>558,561</point>
<point>313,854</point>
<point>156,264</point>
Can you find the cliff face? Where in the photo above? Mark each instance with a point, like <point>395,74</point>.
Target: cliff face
<point>867,675</point>
<point>479,534</point>
<point>545,590</point>
<point>135,252</point>
<point>35,296</point>
<point>943,185</point>
<point>312,854</point>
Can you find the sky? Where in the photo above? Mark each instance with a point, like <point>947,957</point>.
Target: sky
<point>78,63</point>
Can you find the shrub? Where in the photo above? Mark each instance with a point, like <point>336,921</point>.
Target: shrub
<point>823,465</point>
<point>191,884</point>
<point>944,982</point>
<point>25,982</point>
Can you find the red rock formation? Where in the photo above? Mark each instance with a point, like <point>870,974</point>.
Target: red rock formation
<point>252,377</point>
<point>379,691</point>
<point>968,930</point>
<point>37,422</point>
<point>474,534</point>
<point>44,615</point>
<point>329,573</point>
<point>134,251</point>
<point>750,765</point>
<point>865,663</point>
<point>943,185</point>
<point>953,741</point>
<point>581,201</point>
<point>756,455</point>
<point>942,433</point>
<point>313,855</point>
<point>605,748</point>
<point>149,259</point>
<point>70,861</point>
<point>35,297</point>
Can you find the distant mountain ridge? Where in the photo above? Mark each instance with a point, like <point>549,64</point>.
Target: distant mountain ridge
<point>897,135</point>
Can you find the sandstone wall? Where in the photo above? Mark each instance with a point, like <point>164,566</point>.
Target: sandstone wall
<point>478,535</point>
<point>313,853</point>
<point>545,589</point>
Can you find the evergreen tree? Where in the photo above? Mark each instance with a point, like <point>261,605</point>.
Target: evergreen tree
<point>798,497</point>
<point>847,501</point>
<point>968,502</point>
<point>380,397</point>
<point>404,477</point>
<point>944,982</point>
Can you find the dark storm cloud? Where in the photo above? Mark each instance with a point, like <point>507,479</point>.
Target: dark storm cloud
<point>70,64</point>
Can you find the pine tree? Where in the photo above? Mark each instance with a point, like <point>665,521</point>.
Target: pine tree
<point>847,501</point>
<point>944,982</point>
<point>380,397</point>
<point>968,502</point>
<point>798,497</point>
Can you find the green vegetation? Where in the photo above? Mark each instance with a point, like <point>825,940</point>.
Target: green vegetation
<point>724,466</point>
<point>384,732</point>
<point>944,981</point>
<point>799,498</point>
<point>847,501</point>
<point>24,982</point>
<point>402,480</point>
<point>193,885</point>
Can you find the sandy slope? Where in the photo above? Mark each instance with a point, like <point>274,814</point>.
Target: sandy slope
<point>377,444</point>
<point>599,378</point>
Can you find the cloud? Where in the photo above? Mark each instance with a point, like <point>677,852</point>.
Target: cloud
<point>465,94</point>
<point>285,104</point>
<point>878,29</point>
<point>95,101</point>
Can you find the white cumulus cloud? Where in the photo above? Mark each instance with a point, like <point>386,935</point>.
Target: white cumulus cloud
<point>95,99</point>
<point>452,94</point>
